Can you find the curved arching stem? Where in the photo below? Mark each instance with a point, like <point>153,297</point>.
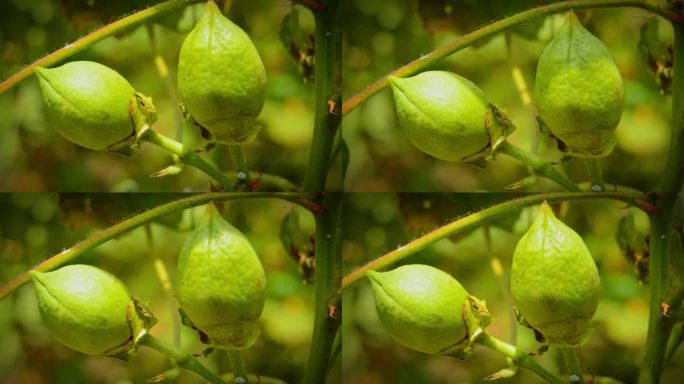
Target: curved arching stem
<point>86,41</point>
<point>148,216</point>
<point>477,219</point>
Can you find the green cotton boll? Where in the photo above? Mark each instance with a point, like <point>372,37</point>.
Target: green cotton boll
<point>88,103</point>
<point>423,308</point>
<point>221,78</point>
<point>447,116</point>
<point>579,92</point>
<point>85,308</point>
<point>221,284</point>
<point>554,280</point>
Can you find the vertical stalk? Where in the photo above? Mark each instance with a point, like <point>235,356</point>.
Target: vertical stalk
<point>673,175</point>
<point>239,369</point>
<point>572,364</point>
<point>595,175</point>
<point>670,184</point>
<point>242,177</point>
<point>327,94</point>
<point>327,275</point>
<point>658,329</point>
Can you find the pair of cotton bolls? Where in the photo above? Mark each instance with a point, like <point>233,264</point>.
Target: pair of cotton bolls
<point>554,284</point>
<point>579,95</point>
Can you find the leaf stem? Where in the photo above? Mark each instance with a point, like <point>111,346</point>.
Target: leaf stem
<point>148,216</point>
<point>572,364</point>
<point>474,220</point>
<point>540,166</point>
<point>86,41</point>
<point>459,43</point>
<point>327,93</point>
<point>519,357</point>
<point>595,175</point>
<point>327,306</point>
<point>238,364</point>
<point>242,176</point>
<point>184,359</point>
<point>188,156</point>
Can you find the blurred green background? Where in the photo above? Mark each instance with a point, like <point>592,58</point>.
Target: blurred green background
<point>381,36</point>
<point>34,157</point>
<point>378,223</point>
<point>35,226</point>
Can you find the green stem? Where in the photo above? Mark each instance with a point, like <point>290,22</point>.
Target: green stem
<point>676,339</point>
<point>519,357</point>
<point>327,93</point>
<point>477,219</point>
<point>148,216</point>
<point>673,174</point>
<point>238,364</point>
<point>184,359</point>
<point>459,43</point>
<point>327,307</point>
<point>572,364</point>
<point>595,175</point>
<point>540,166</point>
<point>242,176</point>
<point>267,182</point>
<point>658,261</point>
<point>86,41</point>
<point>188,156</point>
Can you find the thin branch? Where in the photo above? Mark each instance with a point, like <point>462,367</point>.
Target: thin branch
<point>86,41</point>
<point>242,176</point>
<point>572,364</point>
<point>540,166</point>
<point>238,363</point>
<point>485,32</point>
<point>595,175</point>
<point>477,219</point>
<point>519,357</point>
<point>122,227</point>
<point>188,156</point>
<point>184,359</point>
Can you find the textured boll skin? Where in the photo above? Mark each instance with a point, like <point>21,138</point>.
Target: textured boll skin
<point>221,79</point>
<point>87,103</point>
<point>443,114</point>
<point>84,307</point>
<point>554,280</point>
<point>221,284</point>
<point>421,307</point>
<point>579,91</point>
